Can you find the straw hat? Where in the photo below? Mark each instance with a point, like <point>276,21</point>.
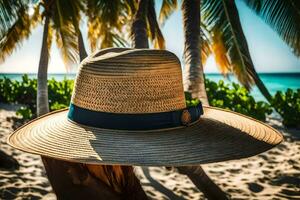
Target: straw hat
<point>128,108</point>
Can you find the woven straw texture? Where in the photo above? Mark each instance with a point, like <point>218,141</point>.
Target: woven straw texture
<point>218,136</point>
<point>141,81</point>
<point>132,81</point>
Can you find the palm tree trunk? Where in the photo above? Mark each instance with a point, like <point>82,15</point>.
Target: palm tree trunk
<point>82,51</point>
<point>42,87</point>
<point>194,80</point>
<point>195,84</point>
<point>139,35</point>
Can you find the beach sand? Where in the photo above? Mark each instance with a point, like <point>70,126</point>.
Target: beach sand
<point>271,175</point>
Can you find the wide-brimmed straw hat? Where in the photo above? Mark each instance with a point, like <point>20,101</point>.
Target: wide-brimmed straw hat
<point>128,107</point>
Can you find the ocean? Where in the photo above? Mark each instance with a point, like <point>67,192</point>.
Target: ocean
<point>273,81</point>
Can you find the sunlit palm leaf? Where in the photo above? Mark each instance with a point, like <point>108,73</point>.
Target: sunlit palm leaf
<point>205,44</point>
<point>220,52</point>
<point>105,22</point>
<point>153,27</point>
<point>66,40</point>
<point>132,6</point>
<point>49,39</point>
<point>112,38</point>
<point>167,8</point>
<point>10,12</point>
<point>16,34</point>
<point>283,16</point>
<point>221,17</point>
<point>64,30</point>
<point>76,8</point>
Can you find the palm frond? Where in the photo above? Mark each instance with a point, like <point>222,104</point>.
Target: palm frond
<point>283,16</point>
<point>65,33</point>
<point>105,22</point>
<point>220,52</point>
<point>221,17</point>
<point>9,13</point>
<point>153,27</point>
<point>49,39</point>
<point>112,39</point>
<point>131,7</point>
<point>166,10</point>
<point>205,44</point>
<point>19,31</point>
<point>76,8</point>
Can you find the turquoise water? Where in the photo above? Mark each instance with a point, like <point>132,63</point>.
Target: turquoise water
<point>273,81</point>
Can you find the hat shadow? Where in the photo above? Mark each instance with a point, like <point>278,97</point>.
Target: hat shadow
<point>155,148</point>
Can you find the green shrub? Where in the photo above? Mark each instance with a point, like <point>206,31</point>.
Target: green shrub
<point>236,98</point>
<point>189,101</point>
<point>59,93</point>
<point>24,92</point>
<point>288,106</point>
<point>24,112</point>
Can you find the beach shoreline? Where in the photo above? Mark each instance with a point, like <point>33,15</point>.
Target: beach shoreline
<point>271,175</point>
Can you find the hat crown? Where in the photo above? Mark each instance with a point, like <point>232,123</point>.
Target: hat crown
<point>120,80</point>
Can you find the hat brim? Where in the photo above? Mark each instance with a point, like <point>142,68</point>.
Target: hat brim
<point>219,135</point>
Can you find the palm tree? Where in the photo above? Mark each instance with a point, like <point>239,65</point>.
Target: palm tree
<point>227,40</point>
<point>139,26</point>
<point>56,22</point>
<point>227,35</point>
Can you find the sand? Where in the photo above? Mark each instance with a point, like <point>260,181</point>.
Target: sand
<point>271,175</point>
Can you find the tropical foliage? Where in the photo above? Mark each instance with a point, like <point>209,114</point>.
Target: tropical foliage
<point>106,22</point>
<point>60,26</point>
<point>283,17</point>
<point>229,43</point>
<point>24,92</point>
<point>232,97</point>
<point>10,11</point>
<point>222,33</point>
<point>236,98</point>
<point>288,105</point>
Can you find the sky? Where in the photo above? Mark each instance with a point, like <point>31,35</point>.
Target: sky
<point>268,51</point>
